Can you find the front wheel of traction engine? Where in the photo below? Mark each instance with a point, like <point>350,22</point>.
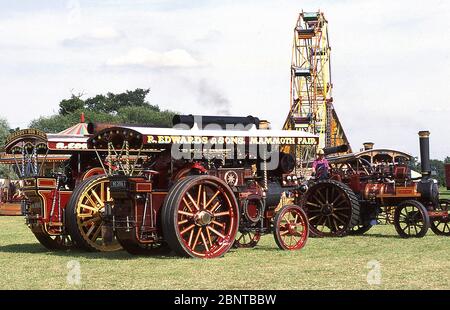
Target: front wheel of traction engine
<point>247,239</point>
<point>54,243</point>
<point>85,221</point>
<point>291,228</point>
<point>200,217</point>
<point>411,219</point>
<point>441,225</point>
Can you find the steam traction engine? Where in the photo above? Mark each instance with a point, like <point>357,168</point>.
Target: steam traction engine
<point>56,169</point>
<point>359,187</point>
<point>199,186</point>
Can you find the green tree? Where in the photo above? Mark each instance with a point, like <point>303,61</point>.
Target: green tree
<point>437,166</point>
<point>67,106</point>
<point>146,116</point>
<point>4,131</point>
<point>111,103</point>
<point>129,107</point>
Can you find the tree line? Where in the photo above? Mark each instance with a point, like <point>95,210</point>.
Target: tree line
<point>129,107</point>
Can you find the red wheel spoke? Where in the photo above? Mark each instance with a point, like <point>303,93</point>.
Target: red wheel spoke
<point>215,231</point>
<point>185,213</point>
<point>211,200</point>
<point>187,229</point>
<point>199,194</point>
<point>191,235</point>
<point>209,237</point>
<point>187,204</point>
<point>218,224</point>
<point>204,241</point>
<point>225,213</point>
<point>215,206</point>
<point>285,232</point>
<point>196,238</point>
<point>193,201</point>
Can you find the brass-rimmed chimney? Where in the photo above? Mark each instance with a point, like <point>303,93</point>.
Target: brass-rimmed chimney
<point>368,146</point>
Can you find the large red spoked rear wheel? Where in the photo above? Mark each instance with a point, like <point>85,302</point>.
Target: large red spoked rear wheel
<point>441,225</point>
<point>291,228</point>
<point>200,217</point>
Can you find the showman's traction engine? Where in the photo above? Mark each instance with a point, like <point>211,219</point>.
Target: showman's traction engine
<point>200,187</point>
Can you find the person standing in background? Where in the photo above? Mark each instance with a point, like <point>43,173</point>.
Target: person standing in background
<point>320,167</point>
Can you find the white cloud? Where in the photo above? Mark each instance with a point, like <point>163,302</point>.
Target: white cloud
<point>104,33</point>
<point>99,35</point>
<point>153,59</point>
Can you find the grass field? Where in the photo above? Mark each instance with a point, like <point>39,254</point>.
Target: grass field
<point>331,263</point>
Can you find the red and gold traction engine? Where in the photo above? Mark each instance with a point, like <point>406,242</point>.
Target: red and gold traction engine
<point>358,190</point>
<point>198,208</point>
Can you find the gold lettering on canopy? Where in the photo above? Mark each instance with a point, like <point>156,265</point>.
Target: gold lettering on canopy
<point>238,140</point>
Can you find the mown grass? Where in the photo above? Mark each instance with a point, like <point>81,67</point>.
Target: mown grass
<point>328,263</point>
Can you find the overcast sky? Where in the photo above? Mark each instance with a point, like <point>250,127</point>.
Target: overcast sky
<point>390,60</point>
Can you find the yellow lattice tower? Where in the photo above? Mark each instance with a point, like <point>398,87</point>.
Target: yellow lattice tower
<point>311,101</point>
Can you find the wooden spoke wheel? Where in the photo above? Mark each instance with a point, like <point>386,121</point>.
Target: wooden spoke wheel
<point>411,219</point>
<point>52,242</point>
<point>359,230</point>
<point>85,221</point>
<point>291,228</point>
<point>441,225</point>
<point>200,217</point>
<point>332,208</point>
<point>248,239</point>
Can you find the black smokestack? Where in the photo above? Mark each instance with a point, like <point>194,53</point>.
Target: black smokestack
<point>335,149</point>
<point>222,121</point>
<point>424,139</point>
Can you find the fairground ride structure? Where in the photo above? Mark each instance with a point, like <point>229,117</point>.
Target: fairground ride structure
<point>311,101</point>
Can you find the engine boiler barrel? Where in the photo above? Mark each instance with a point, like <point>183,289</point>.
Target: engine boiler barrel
<point>222,121</point>
<point>335,149</point>
<point>424,140</point>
